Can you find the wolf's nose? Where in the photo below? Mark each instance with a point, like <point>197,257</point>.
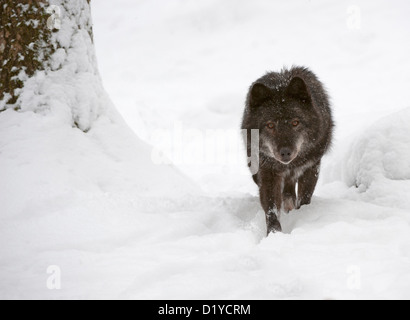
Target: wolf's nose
<point>286,154</point>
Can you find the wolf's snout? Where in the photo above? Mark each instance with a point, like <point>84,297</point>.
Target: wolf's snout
<point>286,154</point>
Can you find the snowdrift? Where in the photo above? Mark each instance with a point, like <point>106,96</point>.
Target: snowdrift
<point>374,163</point>
<point>381,152</point>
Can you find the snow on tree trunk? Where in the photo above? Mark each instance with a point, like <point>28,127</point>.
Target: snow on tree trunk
<point>49,63</point>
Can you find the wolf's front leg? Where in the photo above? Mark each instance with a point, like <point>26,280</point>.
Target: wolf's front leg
<point>307,184</point>
<point>271,199</point>
<point>289,195</point>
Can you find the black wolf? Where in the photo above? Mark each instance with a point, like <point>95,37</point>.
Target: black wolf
<point>292,112</point>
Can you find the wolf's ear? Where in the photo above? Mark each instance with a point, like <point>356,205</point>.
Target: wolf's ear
<point>259,94</point>
<point>298,89</point>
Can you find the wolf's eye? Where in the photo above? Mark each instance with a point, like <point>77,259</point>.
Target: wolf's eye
<point>295,123</point>
<point>271,125</point>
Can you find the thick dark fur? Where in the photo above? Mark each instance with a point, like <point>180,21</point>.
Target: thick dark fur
<point>292,112</point>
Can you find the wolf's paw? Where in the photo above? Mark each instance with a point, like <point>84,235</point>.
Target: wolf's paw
<point>302,202</point>
<point>273,223</point>
<point>274,228</point>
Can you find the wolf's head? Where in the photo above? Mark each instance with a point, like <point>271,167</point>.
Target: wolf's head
<point>286,118</point>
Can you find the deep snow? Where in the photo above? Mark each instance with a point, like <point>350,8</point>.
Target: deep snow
<point>120,226</point>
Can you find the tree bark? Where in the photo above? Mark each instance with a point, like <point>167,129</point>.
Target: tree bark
<point>24,44</point>
<point>29,37</point>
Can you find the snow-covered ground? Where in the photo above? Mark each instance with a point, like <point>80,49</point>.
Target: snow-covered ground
<point>118,225</point>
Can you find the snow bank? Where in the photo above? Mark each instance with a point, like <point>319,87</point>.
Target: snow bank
<point>381,152</point>
<point>373,164</point>
<point>377,155</point>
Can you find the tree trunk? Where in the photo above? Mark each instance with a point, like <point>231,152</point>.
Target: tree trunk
<point>23,36</point>
<point>47,60</point>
